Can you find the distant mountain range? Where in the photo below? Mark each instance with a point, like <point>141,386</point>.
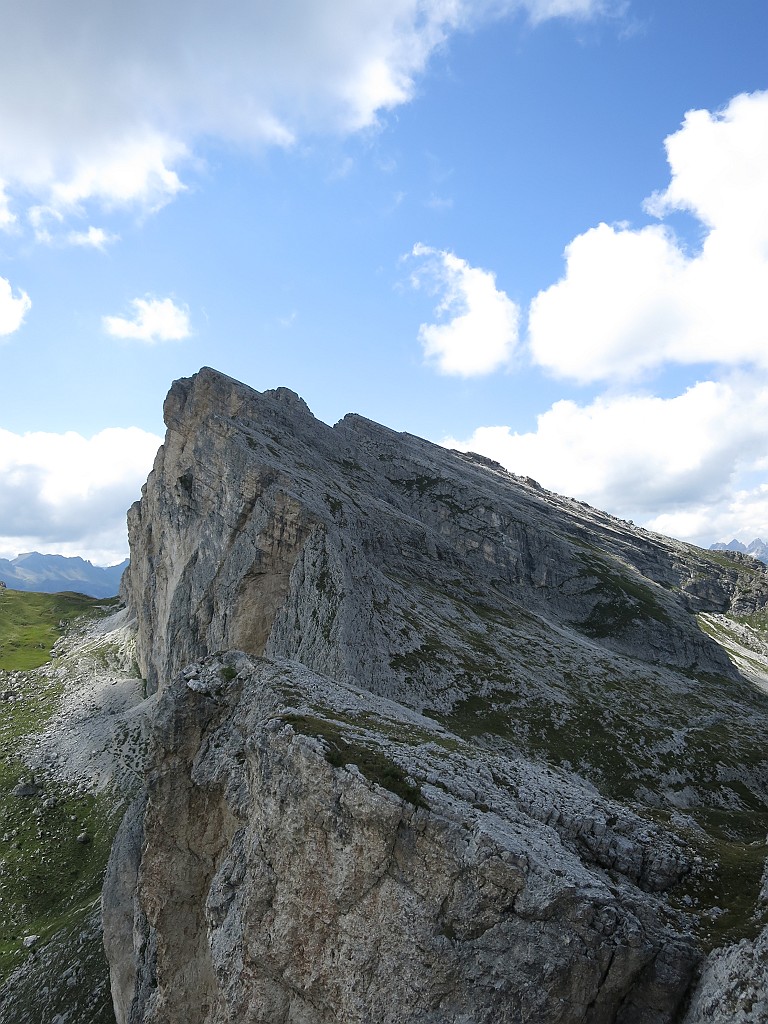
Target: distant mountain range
<point>758,548</point>
<point>54,573</point>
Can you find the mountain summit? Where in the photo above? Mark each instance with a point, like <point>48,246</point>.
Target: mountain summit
<point>430,742</point>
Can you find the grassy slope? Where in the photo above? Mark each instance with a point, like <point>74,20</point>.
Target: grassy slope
<point>48,880</point>
<point>31,623</point>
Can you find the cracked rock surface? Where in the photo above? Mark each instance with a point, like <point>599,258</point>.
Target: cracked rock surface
<point>296,867</point>
<point>430,742</point>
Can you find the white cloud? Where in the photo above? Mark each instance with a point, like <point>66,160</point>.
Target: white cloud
<point>105,105</point>
<point>672,464</point>
<point>718,164</point>
<point>132,171</point>
<point>98,238</point>
<point>154,320</point>
<point>67,494</point>
<point>13,309</point>
<point>632,300</point>
<point>543,10</point>
<point>741,515</point>
<point>439,203</point>
<point>479,323</point>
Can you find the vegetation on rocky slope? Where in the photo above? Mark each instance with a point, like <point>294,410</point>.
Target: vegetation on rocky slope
<point>30,624</point>
<point>55,835</point>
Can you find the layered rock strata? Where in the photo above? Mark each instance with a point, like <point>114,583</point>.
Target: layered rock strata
<point>479,761</point>
<point>310,853</point>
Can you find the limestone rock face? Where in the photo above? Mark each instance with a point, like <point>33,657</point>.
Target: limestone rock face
<point>733,988</point>
<point>263,529</point>
<point>318,871</point>
<point>431,743</point>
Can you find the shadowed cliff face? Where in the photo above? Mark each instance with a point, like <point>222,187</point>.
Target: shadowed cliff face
<point>529,732</point>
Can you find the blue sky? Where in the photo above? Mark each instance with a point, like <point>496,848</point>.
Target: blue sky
<point>535,228</point>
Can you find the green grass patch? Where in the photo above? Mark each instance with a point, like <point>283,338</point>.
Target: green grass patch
<point>417,484</point>
<point>621,601</point>
<point>48,880</point>
<point>30,624</point>
<point>621,745</point>
<point>758,620</point>
<point>734,853</point>
<point>734,564</point>
<point>372,762</point>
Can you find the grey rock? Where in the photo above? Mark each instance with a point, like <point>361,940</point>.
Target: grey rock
<point>756,549</point>
<point>305,878</point>
<point>25,789</point>
<point>733,988</point>
<point>429,742</point>
<point>53,573</point>
<point>262,529</point>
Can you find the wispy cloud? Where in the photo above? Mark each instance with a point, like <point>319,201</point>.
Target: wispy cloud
<point>7,217</point>
<point>154,320</point>
<point>139,85</point>
<point>439,203</point>
<point>96,238</point>
<point>289,319</point>
<point>477,327</point>
<point>13,308</point>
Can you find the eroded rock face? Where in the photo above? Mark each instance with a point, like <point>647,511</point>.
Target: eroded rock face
<point>733,988</point>
<point>290,888</point>
<point>262,529</point>
<point>479,760</point>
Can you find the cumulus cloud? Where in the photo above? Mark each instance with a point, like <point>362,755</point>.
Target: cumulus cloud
<point>478,323</point>
<point>742,514</point>
<point>154,320</point>
<point>68,494</point>
<point>107,105</point>
<point>13,308</point>
<point>632,300</point>
<point>672,464</point>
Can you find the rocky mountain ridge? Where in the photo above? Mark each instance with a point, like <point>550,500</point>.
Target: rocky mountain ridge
<point>476,751</point>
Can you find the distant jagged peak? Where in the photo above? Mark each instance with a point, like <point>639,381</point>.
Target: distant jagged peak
<point>757,548</point>
<point>51,573</point>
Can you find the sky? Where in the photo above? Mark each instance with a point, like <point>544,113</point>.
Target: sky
<point>535,229</point>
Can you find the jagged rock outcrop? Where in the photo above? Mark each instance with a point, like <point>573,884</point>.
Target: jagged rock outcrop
<point>51,574</point>
<point>479,760</point>
<point>251,497</point>
<point>734,985</point>
<point>294,888</point>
